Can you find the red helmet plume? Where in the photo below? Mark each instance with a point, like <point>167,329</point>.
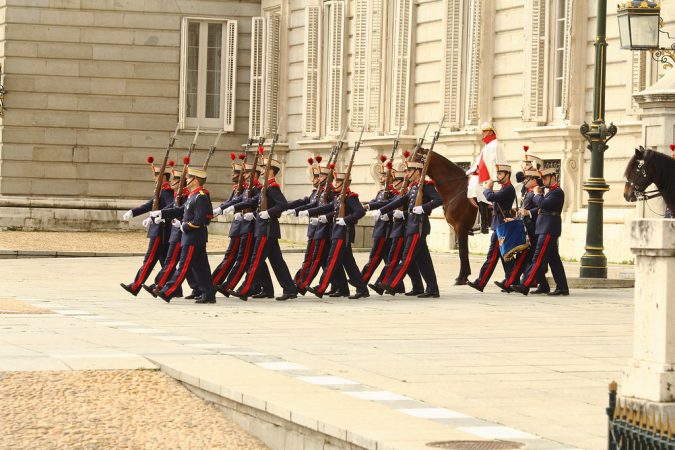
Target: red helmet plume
<point>233,156</point>
<point>526,148</point>
<point>150,159</point>
<point>383,158</point>
<point>261,149</point>
<point>318,158</point>
<point>171,163</point>
<point>242,156</point>
<point>186,160</point>
<point>672,147</point>
<point>389,165</point>
<point>310,161</point>
<point>331,166</point>
<point>406,154</point>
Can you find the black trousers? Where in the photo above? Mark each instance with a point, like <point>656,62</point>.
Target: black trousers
<point>490,263</point>
<point>268,248</point>
<point>522,263</point>
<point>243,260</point>
<point>416,252</point>
<point>340,257</point>
<point>194,261</point>
<point>377,254</point>
<point>306,262</point>
<point>319,259</point>
<point>222,270</point>
<point>546,253</point>
<point>156,251</point>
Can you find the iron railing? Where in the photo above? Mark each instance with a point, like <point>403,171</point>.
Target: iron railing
<point>634,426</point>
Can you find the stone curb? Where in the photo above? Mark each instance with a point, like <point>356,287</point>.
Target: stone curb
<point>596,283</point>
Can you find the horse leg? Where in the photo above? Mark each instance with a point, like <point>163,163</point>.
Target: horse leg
<point>465,268</point>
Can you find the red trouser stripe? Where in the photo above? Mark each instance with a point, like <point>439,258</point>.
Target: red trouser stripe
<point>315,265</point>
<point>172,265</point>
<point>148,262</point>
<point>535,268</point>
<point>254,267</point>
<point>406,263</point>
<point>516,269</point>
<point>228,263</point>
<point>491,266</point>
<point>329,270</point>
<point>373,262</point>
<point>242,264</point>
<point>394,260</point>
<point>306,262</point>
<point>183,271</point>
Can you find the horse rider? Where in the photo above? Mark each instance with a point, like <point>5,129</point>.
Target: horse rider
<point>502,202</point>
<point>548,229</point>
<point>416,231</point>
<point>482,171</point>
<point>197,213</point>
<point>158,234</point>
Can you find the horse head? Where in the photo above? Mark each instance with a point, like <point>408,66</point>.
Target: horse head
<point>636,175</point>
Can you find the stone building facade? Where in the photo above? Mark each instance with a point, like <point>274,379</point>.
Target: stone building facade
<point>94,86</point>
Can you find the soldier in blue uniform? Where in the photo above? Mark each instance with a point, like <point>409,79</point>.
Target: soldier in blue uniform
<point>197,213</point>
<point>267,234</point>
<point>340,256</point>
<point>548,228</point>
<point>245,216</point>
<point>416,231</point>
<point>502,202</point>
<point>301,204</point>
<point>528,211</point>
<point>158,234</point>
<point>323,226</point>
<point>382,225</point>
<point>222,270</point>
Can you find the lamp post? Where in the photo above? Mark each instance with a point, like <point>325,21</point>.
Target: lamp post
<point>594,261</point>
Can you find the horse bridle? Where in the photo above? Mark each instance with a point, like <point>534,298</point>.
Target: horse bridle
<point>640,192</point>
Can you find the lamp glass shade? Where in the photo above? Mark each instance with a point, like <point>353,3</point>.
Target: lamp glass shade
<point>639,28</point>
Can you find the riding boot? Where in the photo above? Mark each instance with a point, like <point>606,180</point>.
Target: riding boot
<point>484,218</point>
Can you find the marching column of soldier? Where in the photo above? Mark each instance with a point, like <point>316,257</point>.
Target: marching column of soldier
<point>181,210</point>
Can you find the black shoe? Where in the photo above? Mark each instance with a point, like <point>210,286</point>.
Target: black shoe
<point>203,301</point>
<point>263,294</point>
<point>414,293</point>
<point>237,294</point>
<point>339,293</point>
<point>540,291</point>
<point>502,286</point>
<point>558,292</point>
<point>484,230</point>
<point>163,296</point>
<point>150,289</point>
<point>314,291</point>
<point>127,287</point>
<point>520,288</point>
<point>475,285</point>
<point>377,287</point>
<point>222,289</point>
<point>286,297</point>
<point>302,291</point>
<point>191,297</point>
<point>358,295</point>
<point>429,295</point>
<point>461,281</point>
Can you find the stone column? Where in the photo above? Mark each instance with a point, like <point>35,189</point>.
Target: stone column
<point>651,376</point>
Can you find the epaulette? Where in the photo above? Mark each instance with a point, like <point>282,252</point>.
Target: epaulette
<point>432,182</point>
<point>204,192</point>
<point>274,185</point>
<point>185,192</point>
<point>166,186</point>
<point>353,194</point>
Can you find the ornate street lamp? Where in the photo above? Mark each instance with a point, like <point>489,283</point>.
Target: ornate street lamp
<point>594,261</point>
<point>640,25</point>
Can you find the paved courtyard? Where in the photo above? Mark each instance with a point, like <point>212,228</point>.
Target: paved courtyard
<point>537,364</point>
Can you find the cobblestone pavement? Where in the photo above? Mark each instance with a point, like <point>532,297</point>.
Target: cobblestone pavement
<point>131,409</point>
<point>538,364</point>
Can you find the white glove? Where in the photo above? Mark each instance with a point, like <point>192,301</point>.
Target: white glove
<point>176,223</point>
<point>367,207</point>
<point>264,215</point>
<point>249,216</point>
<point>418,210</point>
<point>229,209</point>
<point>323,219</point>
<point>157,220</point>
<point>303,214</point>
<point>146,222</point>
<point>341,222</point>
<point>384,217</point>
<point>157,213</point>
<point>128,215</point>
<point>377,214</point>
<point>237,216</point>
<point>398,214</point>
<point>314,221</point>
<point>218,211</point>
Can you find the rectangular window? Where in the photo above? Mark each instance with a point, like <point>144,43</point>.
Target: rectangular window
<point>334,17</point>
<point>401,64</point>
<point>472,110</point>
<point>535,108</point>
<point>559,53</point>
<point>311,87</point>
<point>208,73</point>
<point>453,44</point>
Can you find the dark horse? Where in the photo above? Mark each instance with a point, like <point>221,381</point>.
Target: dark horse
<point>647,167</point>
<point>451,182</point>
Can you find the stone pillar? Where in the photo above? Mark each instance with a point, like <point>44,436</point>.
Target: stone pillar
<point>651,376</point>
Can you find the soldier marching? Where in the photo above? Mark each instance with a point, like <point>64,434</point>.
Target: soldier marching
<point>181,211</point>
